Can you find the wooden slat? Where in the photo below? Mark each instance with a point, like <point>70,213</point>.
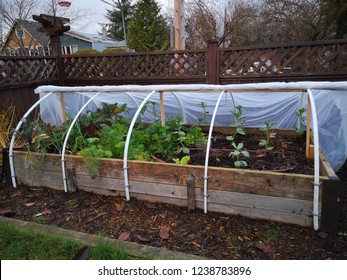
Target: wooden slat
<point>325,167</point>
<point>289,218</point>
<point>248,204</point>
<point>47,179</point>
<point>226,179</point>
<point>276,204</point>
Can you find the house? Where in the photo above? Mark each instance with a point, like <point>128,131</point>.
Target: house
<point>24,39</point>
<point>73,41</point>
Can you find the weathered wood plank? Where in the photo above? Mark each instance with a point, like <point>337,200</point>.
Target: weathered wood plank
<point>253,213</point>
<point>72,182</point>
<point>227,179</point>
<point>48,179</point>
<point>301,207</point>
<point>289,218</point>
<point>277,204</point>
<point>325,167</point>
<point>250,205</point>
<point>191,193</point>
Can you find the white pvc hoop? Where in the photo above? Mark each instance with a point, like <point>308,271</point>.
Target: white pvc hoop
<point>13,175</point>
<point>208,150</point>
<point>126,148</point>
<point>182,107</point>
<point>70,129</point>
<point>67,138</point>
<point>316,183</point>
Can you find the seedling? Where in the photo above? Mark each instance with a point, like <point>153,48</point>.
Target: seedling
<point>205,112</point>
<point>238,124</point>
<point>301,120</point>
<point>268,134</point>
<point>239,153</point>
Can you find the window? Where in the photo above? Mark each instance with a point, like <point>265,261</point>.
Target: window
<point>70,49</point>
<point>20,33</point>
<point>34,52</point>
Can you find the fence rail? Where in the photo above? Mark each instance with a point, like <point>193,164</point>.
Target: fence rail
<point>325,60</point>
<point>139,67</point>
<point>316,60</point>
<point>27,70</point>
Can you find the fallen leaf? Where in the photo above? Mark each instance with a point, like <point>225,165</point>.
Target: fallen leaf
<point>100,214</point>
<point>120,205</point>
<point>5,212</point>
<point>164,232</point>
<point>284,145</point>
<point>47,212</point>
<point>141,238</point>
<point>124,236</point>
<point>260,155</point>
<point>17,193</point>
<point>29,204</point>
<point>95,200</point>
<point>266,248</point>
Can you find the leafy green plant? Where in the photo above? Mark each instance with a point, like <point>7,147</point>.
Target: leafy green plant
<point>154,110</point>
<point>102,134</point>
<point>238,124</point>
<point>269,134</point>
<point>202,121</point>
<point>184,160</point>
<point>238,154</point>
<point>301,120</point>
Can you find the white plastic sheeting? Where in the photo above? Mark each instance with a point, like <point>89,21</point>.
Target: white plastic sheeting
<point>267,101</point>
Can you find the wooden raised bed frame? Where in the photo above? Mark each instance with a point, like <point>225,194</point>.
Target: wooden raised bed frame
<point>266,195</point>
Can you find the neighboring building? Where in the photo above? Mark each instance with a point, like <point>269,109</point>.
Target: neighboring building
<point>24,39</point>
<point>73,41</point>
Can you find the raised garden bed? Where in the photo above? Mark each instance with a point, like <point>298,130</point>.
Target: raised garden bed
<point>276,196</point>
<point>285,192</point>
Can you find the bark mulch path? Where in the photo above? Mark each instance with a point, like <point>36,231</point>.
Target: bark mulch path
<point>211,235</point>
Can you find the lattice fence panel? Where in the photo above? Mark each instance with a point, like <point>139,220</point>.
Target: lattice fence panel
<point>21,70</point>
<point>136,66</point>
<point>313,59</point>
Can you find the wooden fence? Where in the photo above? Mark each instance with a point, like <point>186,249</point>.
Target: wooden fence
<point>312,61</point>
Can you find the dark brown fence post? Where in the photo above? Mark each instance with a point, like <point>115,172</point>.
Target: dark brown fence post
<point>56,51</point>
<point>212,63</point>
<point>54,27</point>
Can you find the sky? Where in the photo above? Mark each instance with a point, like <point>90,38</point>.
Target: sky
<point>98,12</point>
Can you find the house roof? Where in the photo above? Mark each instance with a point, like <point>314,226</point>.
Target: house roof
<point>95,38</point>
<point>31,27</point>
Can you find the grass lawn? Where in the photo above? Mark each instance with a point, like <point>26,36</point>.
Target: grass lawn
<point>18,244</point>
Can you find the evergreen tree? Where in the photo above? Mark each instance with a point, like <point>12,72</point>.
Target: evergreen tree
<point>115,29</point>
<point>335,15</point>
<point>147,30</point>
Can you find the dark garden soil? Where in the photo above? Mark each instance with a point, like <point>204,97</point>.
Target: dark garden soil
<point>211,235</point>
<point>287,155</point>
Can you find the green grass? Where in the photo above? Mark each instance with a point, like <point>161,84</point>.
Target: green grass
<point>29,245</point>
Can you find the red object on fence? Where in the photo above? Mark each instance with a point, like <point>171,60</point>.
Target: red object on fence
<point>64,3</point>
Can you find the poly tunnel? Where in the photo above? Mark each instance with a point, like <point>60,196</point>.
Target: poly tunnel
<point>278,102</point>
